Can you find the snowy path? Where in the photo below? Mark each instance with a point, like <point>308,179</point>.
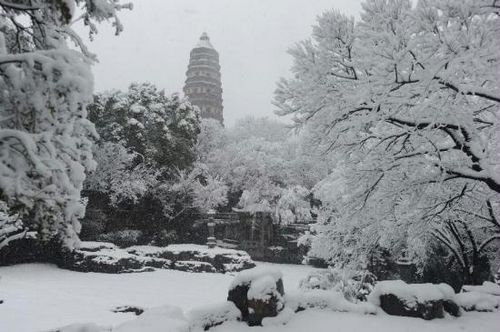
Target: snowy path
<point>39,297</point>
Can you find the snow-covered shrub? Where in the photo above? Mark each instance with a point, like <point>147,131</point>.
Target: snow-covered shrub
<point>203,318</point>
<point>11,227</point>
<point>93,225</point>
<point>355,286</point>
<point>164,237</point>
<point>325,300</point>
<point>123,239</point>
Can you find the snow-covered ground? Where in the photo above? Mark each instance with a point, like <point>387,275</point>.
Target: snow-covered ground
<point>39,297</point>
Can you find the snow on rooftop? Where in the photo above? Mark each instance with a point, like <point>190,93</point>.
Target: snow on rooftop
<point>204,41</point>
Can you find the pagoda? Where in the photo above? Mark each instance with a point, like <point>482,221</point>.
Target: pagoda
<point>203,80</point>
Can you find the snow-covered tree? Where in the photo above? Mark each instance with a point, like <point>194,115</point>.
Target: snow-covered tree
<point>206,192</point>
<point>45,137</point>
<point>146,147</point>
<point>119,176</point>
<point>294,205</point>
<point>261,161</point>
<point>161,129</point>
<point>407,100</point>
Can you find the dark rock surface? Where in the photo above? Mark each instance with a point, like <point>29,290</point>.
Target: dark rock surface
<point>393,305</point>
<point>267,303</point>
<point>107,258</point>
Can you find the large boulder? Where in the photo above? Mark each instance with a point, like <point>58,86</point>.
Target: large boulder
<point>427,301</point>
<point>478,301</point>
<point>257,293</point>
<point>108,258</point>
<point>221,260</point>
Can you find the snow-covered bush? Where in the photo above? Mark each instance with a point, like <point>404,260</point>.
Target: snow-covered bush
<point>355,286</point>
<point>164,238</point>
<point>119,176</point>
<point>326,300</point>
<point>124,238</point>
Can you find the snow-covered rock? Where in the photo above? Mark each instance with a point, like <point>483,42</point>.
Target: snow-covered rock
<point>257,293</point>
<point>477,301</point>
<point>426,301</point>
<point>108,258</point>
<point>222,259</point>
<point>247,276</point>
<point>487,287</point>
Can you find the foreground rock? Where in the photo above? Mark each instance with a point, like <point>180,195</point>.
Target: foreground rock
<point>257,293</point>
<point>108,258</point>
<point>485,298</point>
<point>427,301</point>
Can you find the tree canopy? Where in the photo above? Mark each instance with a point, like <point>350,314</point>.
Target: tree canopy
<point>407,101</point>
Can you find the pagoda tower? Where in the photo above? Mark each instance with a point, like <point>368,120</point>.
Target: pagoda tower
<point>203,80</point>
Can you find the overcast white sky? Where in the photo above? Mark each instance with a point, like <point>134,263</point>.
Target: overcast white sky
<point>251,36</point>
